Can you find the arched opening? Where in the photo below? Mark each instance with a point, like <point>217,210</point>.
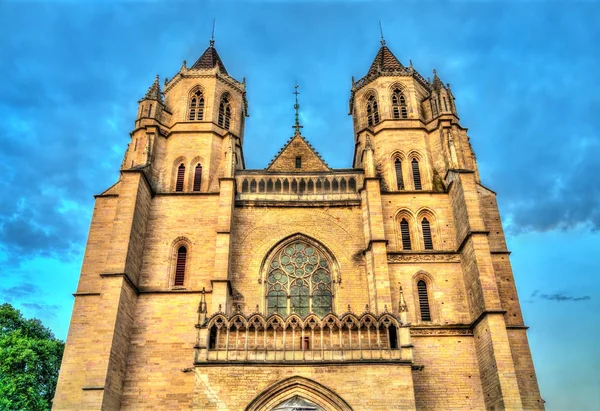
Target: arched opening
<point>197,178</point>
<point>180,177</point>
<point>302,390</point>
<point>180,266</point>
<point>299,278</point>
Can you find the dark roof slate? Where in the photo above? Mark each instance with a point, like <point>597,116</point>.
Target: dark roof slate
<point>386,60</point>
<point>209,59</point>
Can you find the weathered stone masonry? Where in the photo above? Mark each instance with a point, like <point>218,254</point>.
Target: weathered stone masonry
<point>297,283</point>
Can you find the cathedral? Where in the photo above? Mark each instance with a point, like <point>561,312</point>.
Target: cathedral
<point>209,286</point>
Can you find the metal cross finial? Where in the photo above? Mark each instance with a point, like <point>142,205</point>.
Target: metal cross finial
<point>212,38</point>
<point>381,31</point>
<point>297,125</point>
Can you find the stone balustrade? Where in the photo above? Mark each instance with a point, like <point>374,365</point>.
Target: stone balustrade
<point>340,185</point>
<point>276,338</point>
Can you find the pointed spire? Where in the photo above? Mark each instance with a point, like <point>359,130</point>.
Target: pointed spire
<point>381,31</point>
<point>297,125</point>
<point>154,92</point>
<point>212,36</point>
<point>210,58</point>
<point>402,303</point>
<point>384,61</point>
<point>437,83</point>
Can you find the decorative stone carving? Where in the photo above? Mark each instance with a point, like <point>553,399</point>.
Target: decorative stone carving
<point>415,332</point>
<point>423,258</point>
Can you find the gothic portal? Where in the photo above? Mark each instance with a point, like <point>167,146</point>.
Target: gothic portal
<point>207,285</point>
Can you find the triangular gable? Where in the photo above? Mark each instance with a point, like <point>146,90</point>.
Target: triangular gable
<point>297,146</point>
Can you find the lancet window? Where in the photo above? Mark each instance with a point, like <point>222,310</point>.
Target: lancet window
<point>180,266</point>
<point>423,301</point>
<point>416,174</point>
<point>180,178</point>
<point>197,178</point>
<point>399,104</point>
<point>405,233</point>
<point>224,112</point>
<point>427,240</point>
<point>196,106</point>
<point>299,280</point>
<point>399,178</point>
<point>372,111</point>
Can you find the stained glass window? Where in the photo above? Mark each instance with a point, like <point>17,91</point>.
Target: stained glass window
<point>299,280</point>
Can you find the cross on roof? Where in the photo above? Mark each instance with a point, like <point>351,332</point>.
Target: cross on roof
<point>297,125</point>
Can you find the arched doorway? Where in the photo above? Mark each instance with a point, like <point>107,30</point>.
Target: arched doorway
<point>298,392</point>
<point>297,403</point>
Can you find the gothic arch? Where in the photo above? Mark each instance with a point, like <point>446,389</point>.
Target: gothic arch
<point>298,386</point>
<point>423,169</point>
<point>174,168</point>
<point>318,284</point>
<point>406,214</point>
<point>422,275</point>
<point>397,155</point>
<point>425,212</point>
<point>172,258</point>
<point>372,109</point>
<point>196,104</point>
<point>192,168</point>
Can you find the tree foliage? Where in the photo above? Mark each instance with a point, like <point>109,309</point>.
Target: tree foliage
<point>30,358</point>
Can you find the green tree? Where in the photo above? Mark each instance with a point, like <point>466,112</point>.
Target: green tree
<point>30,358</point>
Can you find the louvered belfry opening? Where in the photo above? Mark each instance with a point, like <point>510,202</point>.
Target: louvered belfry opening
<point>423,301</point>
<point>399,178</point>
<point>180,267</point>
<point>227,117</point>
<point>197,177</point>
<point>416,174</point>
<point>405,234</point>
<point>372,111</point>
<point>224,113</point>
<point>427,240</point>
<point>180,178</point>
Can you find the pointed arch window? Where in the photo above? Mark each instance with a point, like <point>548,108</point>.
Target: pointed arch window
<point>299,280</point>
<point>372,111</point>
<point>423,301</point>
<point>180,266</point>
<point>399,177</point>
<point>399,104</point>
<point>416,174</point>
<point>224,112</point>
<point>405,233</point>
<point>180,177</point>
<point>196,106</point>
<point>197,177</point>
<point>427,239</point>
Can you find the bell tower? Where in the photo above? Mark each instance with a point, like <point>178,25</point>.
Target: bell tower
<point>184,134</point>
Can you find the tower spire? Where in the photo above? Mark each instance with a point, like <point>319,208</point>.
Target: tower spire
<point>212,36</point>
<point>297,125</point>
<point>381,31</point>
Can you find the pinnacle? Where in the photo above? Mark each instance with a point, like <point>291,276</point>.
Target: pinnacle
<point>154,92</point>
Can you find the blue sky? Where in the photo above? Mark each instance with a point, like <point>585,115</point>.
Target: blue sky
<point>525,78</point>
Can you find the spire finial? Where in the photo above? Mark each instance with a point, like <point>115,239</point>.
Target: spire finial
<point>297,125</point>
<point>212,37</point>
<point>381,31</point>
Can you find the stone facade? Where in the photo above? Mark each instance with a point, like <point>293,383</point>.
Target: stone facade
<point>206,285</point>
